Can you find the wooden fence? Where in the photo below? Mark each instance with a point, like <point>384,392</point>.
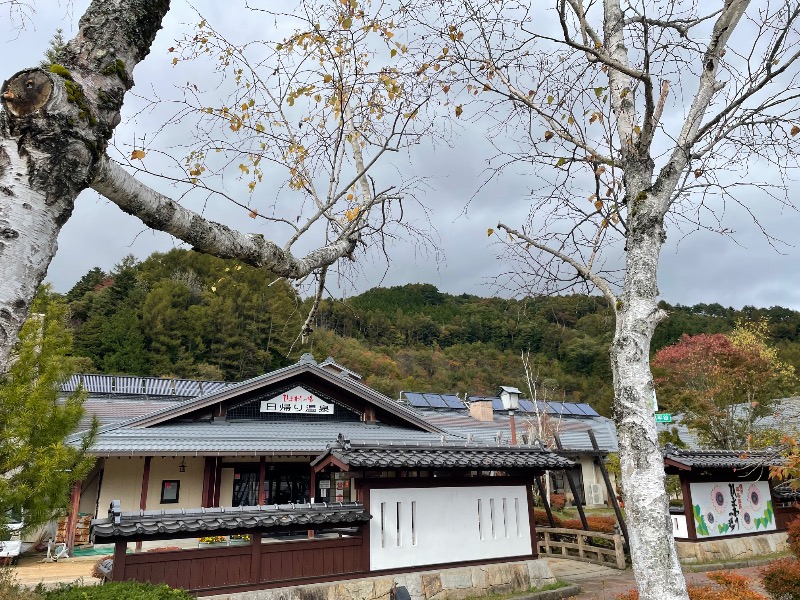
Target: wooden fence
<point>253,566</point>
<point>576,544</point>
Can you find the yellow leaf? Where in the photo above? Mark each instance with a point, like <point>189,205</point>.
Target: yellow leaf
<point>137,155</point>
<point>489,232</point>
<point>547,135</point>
<point>327,78</point>
<point>175,61</point>
<point>459,110</point>
<point>598,205</point>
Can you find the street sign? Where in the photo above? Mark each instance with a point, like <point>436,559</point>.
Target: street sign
<point>663,418</point>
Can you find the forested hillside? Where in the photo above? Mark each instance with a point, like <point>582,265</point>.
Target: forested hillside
<point>190,315</point>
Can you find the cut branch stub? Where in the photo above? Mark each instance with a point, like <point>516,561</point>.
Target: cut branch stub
<point>26,92</point>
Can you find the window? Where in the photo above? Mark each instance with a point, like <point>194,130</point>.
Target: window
<point>170,491</point>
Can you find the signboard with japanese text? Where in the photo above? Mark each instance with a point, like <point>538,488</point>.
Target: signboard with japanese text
<point>297,401</point>
<point>732,508</point>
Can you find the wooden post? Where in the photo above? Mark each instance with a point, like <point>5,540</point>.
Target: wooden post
<point>545,500</point>
<point>312,492</point>
<point>143,497</point>
<point>120,551</point>
<point>72,517</point>
<point>513,428</point>
<point>580,546</point>
<point>262,475</point>
<point>572,487</point>
<point>217,480</point>
<point>688,507</point>
<point>612,495</point>
<point>619,551</point>
<point>531,522</point>
<point>208,475</point>
<point>255,557</point>
<point>547,548</point>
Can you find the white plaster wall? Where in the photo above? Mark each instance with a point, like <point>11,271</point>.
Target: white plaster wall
<point>122,481</point>
<point>191,486</point>
<point>679,527</point>
<point>447,524</point>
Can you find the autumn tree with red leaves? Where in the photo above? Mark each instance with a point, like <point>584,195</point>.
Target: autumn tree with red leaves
<point>723,383</point>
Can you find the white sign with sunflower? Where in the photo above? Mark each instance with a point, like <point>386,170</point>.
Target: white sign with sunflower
<point>732,508</point>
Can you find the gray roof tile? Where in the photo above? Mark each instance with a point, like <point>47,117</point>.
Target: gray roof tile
<point>183,522</point>
<point>445,457</point>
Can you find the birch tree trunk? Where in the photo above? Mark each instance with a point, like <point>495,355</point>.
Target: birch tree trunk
<point>653,553</point>
<point>54,128</point>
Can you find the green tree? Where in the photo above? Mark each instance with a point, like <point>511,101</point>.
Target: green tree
<point>37,467</point>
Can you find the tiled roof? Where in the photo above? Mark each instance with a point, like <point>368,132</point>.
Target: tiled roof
<point>720,459</point>
<point>193,521</point>
<point>785,493</point>
<point>444,457</point>
<point>249,437</point>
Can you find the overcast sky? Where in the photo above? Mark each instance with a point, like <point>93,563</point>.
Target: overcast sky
<point>702,267</point>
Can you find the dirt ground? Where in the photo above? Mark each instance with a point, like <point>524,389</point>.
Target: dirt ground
<point>30,570</point>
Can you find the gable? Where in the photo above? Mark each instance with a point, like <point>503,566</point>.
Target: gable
<point>350,398</point>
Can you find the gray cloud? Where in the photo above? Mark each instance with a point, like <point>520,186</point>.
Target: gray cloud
<point>703,267</point>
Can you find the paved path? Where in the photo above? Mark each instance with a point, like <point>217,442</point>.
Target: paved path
<point>604,583</point>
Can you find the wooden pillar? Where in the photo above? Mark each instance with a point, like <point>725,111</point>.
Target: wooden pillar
<point>531,522</point>
<point>72,517</point>
<point>143,497</point>
<point>612,494</point>
<point>545,500</point>
<point>312,492</point>
<point>217,480</point>
<point>208,476</point>
<point>120,553</point>
<point>255,557</point>
<point>688,507</point>
<point>262,476</point>
<point>513,428</point>
<point>573,488</point>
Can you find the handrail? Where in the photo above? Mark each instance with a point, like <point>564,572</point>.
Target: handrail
<point>580,545</point>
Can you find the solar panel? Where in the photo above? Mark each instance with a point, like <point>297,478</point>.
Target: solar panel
<point>526,406</point>
<point>572,409</point>
<point>435,400</point>
<point>452,401</point>
<point>589,410</point>
<point>415,399</point>
<point>497,404</point>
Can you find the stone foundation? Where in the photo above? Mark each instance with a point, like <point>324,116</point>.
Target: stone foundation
<point>730,549</point>
<point>442,584</point>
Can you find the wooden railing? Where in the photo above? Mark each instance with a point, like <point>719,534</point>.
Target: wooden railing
<point>576,544</point>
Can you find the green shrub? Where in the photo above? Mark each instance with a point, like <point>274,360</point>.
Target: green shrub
<point>126,590</point>
<point>781,579</point>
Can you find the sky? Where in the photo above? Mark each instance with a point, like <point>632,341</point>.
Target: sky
<point>743,269</point>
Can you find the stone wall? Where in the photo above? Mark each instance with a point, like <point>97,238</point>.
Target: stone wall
<point>441,584</point>
<point>728,549</point>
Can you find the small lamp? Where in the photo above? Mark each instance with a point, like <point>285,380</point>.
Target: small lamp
<point>509,396</point>
<point>182,466</point>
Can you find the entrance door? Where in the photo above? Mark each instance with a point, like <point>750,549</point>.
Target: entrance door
<point>284,483</point>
